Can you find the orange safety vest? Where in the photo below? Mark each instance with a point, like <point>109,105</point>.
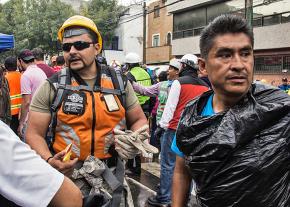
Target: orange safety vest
<point>13,78</point>
<point>87,131</point>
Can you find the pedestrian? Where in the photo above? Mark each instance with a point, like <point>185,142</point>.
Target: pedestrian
<point>5,108</point>
<point>30,80</point>
<point>88,109</point>
<point>187,87</point>
<point>13,77</point>
<point>233,141</point>
<point>39,61</point>
<point>139,75</point>
<point>284,86</point>
<point>27,180</point>
<point>160,90</point>
<point>60,63</point>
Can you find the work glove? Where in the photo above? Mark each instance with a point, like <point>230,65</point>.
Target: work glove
<point>129,144</point>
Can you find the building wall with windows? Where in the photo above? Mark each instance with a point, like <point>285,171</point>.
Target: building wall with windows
<point>159,33</point>
<point>271,26</point>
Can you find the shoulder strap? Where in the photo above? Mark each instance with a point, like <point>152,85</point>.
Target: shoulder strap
<point>119,82</point>
<point>63,78</point>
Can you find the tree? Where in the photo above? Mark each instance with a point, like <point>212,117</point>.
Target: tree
<point>105,13</point>
<point>34,23</point>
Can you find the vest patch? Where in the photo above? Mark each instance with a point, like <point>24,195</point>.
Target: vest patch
<point>74,103</point>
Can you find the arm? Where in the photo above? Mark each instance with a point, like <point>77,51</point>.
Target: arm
<point>171,104</point>
<point>135,118</point>
<point>180,184</point>
<point>23,173</point>
<point>24,111</point>
<point>68,195</point>
<point>151,91</point>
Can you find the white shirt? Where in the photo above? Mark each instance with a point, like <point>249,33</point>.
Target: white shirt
<point>25,178</point>
<point>171,103</point>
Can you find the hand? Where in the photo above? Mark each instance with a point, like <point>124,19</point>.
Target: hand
<point>20,129</point>
<point>123,146</point>
<point>64,167</point>
<point>158,132</point>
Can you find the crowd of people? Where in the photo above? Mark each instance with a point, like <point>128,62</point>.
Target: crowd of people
<point>213,127</point>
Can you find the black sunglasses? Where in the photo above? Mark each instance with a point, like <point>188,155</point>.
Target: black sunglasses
<point>79,45</point>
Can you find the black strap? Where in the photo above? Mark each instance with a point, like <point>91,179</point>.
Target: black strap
<point>118,193</point>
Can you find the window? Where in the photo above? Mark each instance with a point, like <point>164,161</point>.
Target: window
<point>115,43</point>
<point>272,64</point>
<point>168,38</point>
<point>156,11</point>
<point>155,40</point>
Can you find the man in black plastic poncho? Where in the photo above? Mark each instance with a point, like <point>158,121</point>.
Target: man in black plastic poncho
<point>233,141</point>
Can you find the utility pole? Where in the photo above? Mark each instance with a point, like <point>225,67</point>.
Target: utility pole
<point>144,31</point>
<point>249,12</point>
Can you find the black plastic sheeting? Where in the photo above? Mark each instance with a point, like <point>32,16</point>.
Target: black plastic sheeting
<point>240,157</point>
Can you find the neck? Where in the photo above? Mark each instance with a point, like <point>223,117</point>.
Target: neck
<point>222,102</point>
<point>39,61</point>
<point>89,72</point>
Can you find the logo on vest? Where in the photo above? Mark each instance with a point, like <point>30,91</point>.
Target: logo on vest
<point>74,103</point>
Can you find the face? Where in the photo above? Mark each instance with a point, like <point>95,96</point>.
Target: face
<point>172,73</point>
<point>229,64</point>
<point>80,59</point>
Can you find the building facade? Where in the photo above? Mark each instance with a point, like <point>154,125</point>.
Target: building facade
<point>271,26</point>
<point>159,33</point>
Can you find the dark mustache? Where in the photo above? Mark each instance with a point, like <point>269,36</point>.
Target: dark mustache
<point>73,58</point>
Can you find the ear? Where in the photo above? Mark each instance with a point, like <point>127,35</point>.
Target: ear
<point>202,68</point>
<point>98,48</point>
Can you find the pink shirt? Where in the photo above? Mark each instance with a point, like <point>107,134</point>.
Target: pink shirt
<point>31,79</point>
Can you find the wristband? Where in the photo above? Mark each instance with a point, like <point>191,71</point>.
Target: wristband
<point>47,160</point>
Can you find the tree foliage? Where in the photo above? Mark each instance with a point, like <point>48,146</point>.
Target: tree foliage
<point>34,23</point>
<point>105,13</point>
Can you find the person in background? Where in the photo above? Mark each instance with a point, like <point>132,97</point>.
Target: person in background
<point>284,86</point>
<point>39,61</point>
<point>187,87</point>
<point>53,61</point>
<point>60,63</point>
<point>31,79</point>
<point>13,77</point>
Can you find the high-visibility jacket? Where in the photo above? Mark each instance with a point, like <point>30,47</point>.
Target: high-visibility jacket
<point>13,78</point>
<point>87,131</point>
<point>143,78</point>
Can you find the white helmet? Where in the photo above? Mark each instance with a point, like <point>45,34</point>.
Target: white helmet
<point>190,60</point>
<point>132,58</point>
<point>175,63</point>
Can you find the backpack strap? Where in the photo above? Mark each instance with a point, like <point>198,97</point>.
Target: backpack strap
<point>119,82</point>
<point>63,78</point>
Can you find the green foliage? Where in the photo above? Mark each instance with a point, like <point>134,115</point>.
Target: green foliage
<point>105,13</point>
<point>34,23</point>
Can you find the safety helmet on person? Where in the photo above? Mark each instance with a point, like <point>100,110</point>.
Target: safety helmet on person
<point>175,63</point>
<point>84,24</point>
<point>190,60</point>
<point>132,58</point>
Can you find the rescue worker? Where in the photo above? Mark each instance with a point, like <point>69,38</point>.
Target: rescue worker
<point>13,77</point>
<point>90,107</point>
<point>137,74</point>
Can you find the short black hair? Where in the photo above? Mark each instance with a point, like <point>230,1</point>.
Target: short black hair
<point>11,63</point>
<point>60,60</point>
<point>38,53</point>
<point>162,76</point>
<point>223,24</point>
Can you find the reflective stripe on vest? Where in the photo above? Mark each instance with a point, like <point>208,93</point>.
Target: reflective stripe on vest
<point>91,127</point>
<point>143,78</point>
<point>162,98</point>
<point>13,79</point>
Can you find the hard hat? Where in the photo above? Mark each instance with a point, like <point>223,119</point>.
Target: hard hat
<point>190,60</point>
<point>132,58</point>
<point>175,63</point>
<point>80,21</point>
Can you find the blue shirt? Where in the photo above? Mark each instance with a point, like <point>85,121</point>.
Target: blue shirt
<point>207,111</point>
